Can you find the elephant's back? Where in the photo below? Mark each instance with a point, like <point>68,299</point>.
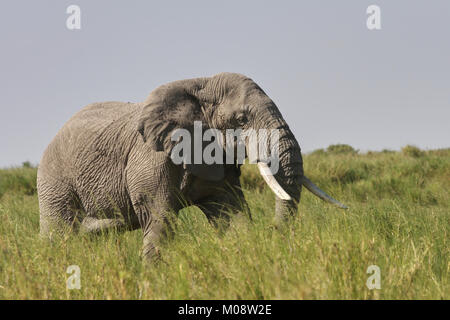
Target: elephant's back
<point>85,133</point>
<point>94,118</point>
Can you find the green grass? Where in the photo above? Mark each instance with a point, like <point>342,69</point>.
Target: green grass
<point>398,220</point>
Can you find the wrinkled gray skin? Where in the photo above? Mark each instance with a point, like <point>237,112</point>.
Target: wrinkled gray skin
<point>110,166</point>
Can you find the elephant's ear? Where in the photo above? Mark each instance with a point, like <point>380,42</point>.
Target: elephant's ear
<point>167,109</point>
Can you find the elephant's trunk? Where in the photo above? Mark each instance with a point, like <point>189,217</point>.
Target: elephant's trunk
<point>289,174</point>
<point>287,182</point>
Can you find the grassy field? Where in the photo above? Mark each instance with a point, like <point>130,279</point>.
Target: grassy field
<point>398,220</point>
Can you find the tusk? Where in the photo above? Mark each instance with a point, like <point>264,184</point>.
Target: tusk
<point>322,195</point>
<point>272,182</point>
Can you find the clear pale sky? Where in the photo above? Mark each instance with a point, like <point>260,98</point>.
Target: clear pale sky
<point>333,79</point>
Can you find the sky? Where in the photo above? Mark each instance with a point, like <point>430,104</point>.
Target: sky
<point>333,79</point>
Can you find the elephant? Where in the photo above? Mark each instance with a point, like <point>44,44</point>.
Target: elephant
<point>109,166</point>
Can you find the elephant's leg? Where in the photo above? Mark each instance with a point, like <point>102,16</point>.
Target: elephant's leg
<point>93,225</point>
<point>57,208</point>
<point>153,184</point>
<point>219,208</point>
<point>115,218</point>
<point>216,211</point>
<point>154,219</point>
<point>226,201</point>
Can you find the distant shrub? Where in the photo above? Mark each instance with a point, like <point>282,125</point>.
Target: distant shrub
<point>27,164</point>
<point>440,152</point>
<point>412,151</point>
<point>341,149</point>
<point>19,180</point>
<point>318,152</point>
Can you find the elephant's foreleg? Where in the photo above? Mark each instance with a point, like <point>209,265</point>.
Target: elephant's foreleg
<point>219,209</point>
<point>155,223</point>
<point>153,185</point>
<point>217,213</point>
<point>227,200</point>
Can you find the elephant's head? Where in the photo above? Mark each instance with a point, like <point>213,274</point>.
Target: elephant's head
<point>227,101</point>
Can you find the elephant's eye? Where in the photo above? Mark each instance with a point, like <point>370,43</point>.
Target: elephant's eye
<point>241,119</point>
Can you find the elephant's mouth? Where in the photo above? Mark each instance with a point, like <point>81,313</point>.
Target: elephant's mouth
<point>273,184</point>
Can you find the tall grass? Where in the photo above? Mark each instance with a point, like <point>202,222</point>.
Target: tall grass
<point>398,220</point>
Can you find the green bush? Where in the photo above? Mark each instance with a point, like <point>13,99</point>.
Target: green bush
<point>341,149</point>
<point>318,152</point>
<point>27,164</point>
<point>412,151</point>
<point>18,180</point>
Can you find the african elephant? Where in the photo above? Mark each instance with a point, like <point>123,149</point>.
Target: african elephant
<point>110,165</point>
